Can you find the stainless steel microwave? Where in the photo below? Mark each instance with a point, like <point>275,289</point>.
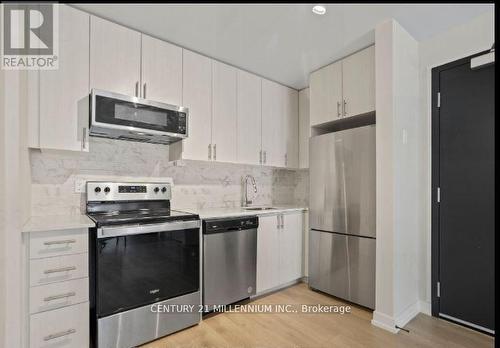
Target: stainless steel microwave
<point>123,117</point>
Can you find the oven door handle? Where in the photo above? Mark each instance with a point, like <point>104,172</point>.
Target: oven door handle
<point>127,230</point>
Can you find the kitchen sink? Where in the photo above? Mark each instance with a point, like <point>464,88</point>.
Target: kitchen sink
<point>258,208</point>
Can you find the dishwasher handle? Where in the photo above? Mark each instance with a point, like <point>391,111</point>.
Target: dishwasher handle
<point>226,225</point>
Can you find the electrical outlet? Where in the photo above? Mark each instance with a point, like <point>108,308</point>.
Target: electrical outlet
<point>80,185</point>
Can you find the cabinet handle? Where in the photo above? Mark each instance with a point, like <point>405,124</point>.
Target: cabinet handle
<point>84,138</point>
<point>209,151</point>
<point>144,91</point>
<point>215,152</point>
<point>282,221</point>
<point>59,334</point>
<point>344,108</point>
<point>338,109</point>
<point>57,297</point>
<point>286,159</point>
<point>67,241</point>
<point>265,157</point>
<point>57,270</point>
<point>137,89</point>
<point>260,156</point>
<point>278,222</point>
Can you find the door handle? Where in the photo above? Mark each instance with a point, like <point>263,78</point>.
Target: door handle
<point>84,138</point>
<point>144,90</point>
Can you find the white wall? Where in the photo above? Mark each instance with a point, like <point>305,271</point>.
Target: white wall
<point>461,41</point>
<point>397,100</point>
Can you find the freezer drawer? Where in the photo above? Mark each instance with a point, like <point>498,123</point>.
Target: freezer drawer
<point>343,266</point>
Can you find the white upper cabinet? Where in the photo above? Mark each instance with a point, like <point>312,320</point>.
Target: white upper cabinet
<point>304,128</point>
<point>161,71</point>
<point>249,118</point>
<point>326,94</point>
<point>291,127</point>
<point>197,96</point>
<point>115,57</point>
<point>224,119</point>
<point>63,103</point>
<point>358,83</point>
<point>343,89</point>
<point>273,149</point>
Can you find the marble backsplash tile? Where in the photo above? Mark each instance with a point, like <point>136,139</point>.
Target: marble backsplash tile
<point>197,184</point>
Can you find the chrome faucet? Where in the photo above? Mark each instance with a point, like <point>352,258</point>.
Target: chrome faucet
<point>247,202</point>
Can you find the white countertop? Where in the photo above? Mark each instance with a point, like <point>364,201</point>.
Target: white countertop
<point>209,213</point>
<point>57,222</point>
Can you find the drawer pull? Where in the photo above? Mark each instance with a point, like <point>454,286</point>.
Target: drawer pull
<point>59,334</point>
<point>57,297</point>
<point>54,242</point>
<point>62,269</point>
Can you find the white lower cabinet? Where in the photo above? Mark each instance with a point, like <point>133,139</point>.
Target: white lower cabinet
<point>61,328</point>
<point>58,295</point>
<point>279,250</point>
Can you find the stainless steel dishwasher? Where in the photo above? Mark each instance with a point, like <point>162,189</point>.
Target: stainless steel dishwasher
<point>229,260</point>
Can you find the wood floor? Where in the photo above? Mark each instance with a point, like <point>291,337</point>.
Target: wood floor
<point>261,330</point>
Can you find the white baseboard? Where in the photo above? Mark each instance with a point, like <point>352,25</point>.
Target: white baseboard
<point>384,321</point>
<point>425,307</point>
<point>408,314</point>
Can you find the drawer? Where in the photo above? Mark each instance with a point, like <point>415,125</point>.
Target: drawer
<point>59,268</point>
<point>58,295</point>
<point>57,243</point>
<point>61,328</point>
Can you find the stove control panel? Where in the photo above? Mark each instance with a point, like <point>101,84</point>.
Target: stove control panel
<point>112,191</point>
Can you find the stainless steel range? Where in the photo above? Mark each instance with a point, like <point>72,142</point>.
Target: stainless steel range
<point>144,257</point>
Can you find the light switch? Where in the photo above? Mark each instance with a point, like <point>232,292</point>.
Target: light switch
<point>405,136</point>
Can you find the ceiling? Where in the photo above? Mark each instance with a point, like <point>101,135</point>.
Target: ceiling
<point>282,42</point>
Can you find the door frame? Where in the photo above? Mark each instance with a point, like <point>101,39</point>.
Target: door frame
<point>435,87</point>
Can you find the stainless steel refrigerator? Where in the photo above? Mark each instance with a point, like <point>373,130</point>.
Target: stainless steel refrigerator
<point>342,214</point>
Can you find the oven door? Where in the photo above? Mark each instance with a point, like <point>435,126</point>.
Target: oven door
<point>132,114</point>
<point>143,264</point>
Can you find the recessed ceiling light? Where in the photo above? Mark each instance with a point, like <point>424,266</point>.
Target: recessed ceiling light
<point>319,10</point>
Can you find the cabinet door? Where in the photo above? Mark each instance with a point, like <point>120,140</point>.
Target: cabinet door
<point>359,82</point>
<point>326,94</point>
<point>268,257</point>
<point>291,247</point>
<point>272,124</point>
<point>249,118</point>
<point>224,119</point>
<point>161,71</point>
<point>304,128</point>
<point>291,127</point>
<point>115,57</point>
<point>197,97</point>
<point>64,92</point>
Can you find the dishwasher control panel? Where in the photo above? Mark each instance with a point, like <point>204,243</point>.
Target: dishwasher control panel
<point>221,225</point>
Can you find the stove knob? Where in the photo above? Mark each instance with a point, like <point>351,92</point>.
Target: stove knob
<point>97,189</point>
<point>164,190</point>
<point>107,189</point>
<point>156,189</point>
